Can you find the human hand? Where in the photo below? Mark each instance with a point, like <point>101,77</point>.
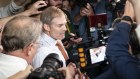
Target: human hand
<point>86,11</point>
<point>75,39</point>
<point>66,72</point>
<point>22,74</point>
<point>72,40</point>
<point>73,70</point>
<point>67,44</point>
<point>34,8</point>
<point>69,71</point>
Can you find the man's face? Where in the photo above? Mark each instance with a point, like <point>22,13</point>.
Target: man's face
<point>58,28</point>
<point>57,3</point>
<point>66,5</point>
<point>33,50</point>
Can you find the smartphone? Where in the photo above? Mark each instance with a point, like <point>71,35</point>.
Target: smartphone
<point>98,18</point>
<point>42,8</point>
<point>97,54</point>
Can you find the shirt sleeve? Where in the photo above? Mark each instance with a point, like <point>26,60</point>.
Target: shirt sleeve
<point>124,65</point>
<point>39,57</point>
<point>9,10</point>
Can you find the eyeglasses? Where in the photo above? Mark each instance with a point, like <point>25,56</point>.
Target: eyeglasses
<point>36,43</point>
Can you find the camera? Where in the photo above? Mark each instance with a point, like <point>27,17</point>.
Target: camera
<point>32,2</point>
<point>91,54</point>
<point>49,68</point>
<point>83,3</point>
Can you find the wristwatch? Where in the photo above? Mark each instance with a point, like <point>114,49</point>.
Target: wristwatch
<point>127,18</point>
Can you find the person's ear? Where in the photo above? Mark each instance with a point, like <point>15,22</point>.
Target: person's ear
<point>30,49</point>
<point>46,27</point>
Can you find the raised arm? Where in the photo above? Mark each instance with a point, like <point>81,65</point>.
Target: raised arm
<point>33,10</point>
<point>20,2</point>
<point>136,6</point>
<point>84,11</point>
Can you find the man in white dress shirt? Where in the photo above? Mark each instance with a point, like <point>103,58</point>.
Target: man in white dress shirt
<point>19,41</point>
<point>54,21</point>
<point>54,28</point>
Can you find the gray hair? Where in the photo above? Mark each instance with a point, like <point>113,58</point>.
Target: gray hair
<point>50,13</point>
<point>20,32</point>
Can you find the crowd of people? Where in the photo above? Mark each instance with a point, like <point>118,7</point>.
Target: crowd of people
<point>31,31</point>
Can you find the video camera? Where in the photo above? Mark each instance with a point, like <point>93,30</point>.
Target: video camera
<point>48,69</point>
<point>113,5</point>
<point>90,55</point>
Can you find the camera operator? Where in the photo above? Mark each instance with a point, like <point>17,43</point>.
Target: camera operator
<point>121,56</point>
<point>19,41</point>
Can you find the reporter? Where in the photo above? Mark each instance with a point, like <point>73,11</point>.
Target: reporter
<point>123,64</point>
<point>20,42</point>
<point>12,8</point>
<point>54,21</point>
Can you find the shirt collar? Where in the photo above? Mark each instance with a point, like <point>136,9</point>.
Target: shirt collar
<point>48,39</point>
<point>13,58</point>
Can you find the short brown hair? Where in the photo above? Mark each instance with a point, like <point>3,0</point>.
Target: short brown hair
<point>50,13</point>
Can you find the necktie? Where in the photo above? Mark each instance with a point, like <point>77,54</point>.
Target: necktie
<point>62,49</point>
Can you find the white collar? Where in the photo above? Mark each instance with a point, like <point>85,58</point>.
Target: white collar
<point>11,58</point>
<point>48,39</point>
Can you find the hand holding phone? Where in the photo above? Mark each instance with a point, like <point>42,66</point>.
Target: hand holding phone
<point>43,6</point>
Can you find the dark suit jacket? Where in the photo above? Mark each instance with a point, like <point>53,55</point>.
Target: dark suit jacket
<point>123,65</point>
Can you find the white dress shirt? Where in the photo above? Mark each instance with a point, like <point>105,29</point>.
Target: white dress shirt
<point>47,46</point>
<point>10,65</point>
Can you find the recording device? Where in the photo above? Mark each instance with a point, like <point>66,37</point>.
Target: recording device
<point>68,38</point>
<point>49,68</point>
<point>83,3</point>
<point>97,54</point>
<point>99,21</point>
<point>116,7</point>
<point>42,8</point>
<point>91,56</point>
<point>33,1</point>
<point>112,5</point>
<point>97,18</point>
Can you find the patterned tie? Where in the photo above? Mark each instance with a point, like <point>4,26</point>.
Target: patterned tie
<point>62,49</point>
